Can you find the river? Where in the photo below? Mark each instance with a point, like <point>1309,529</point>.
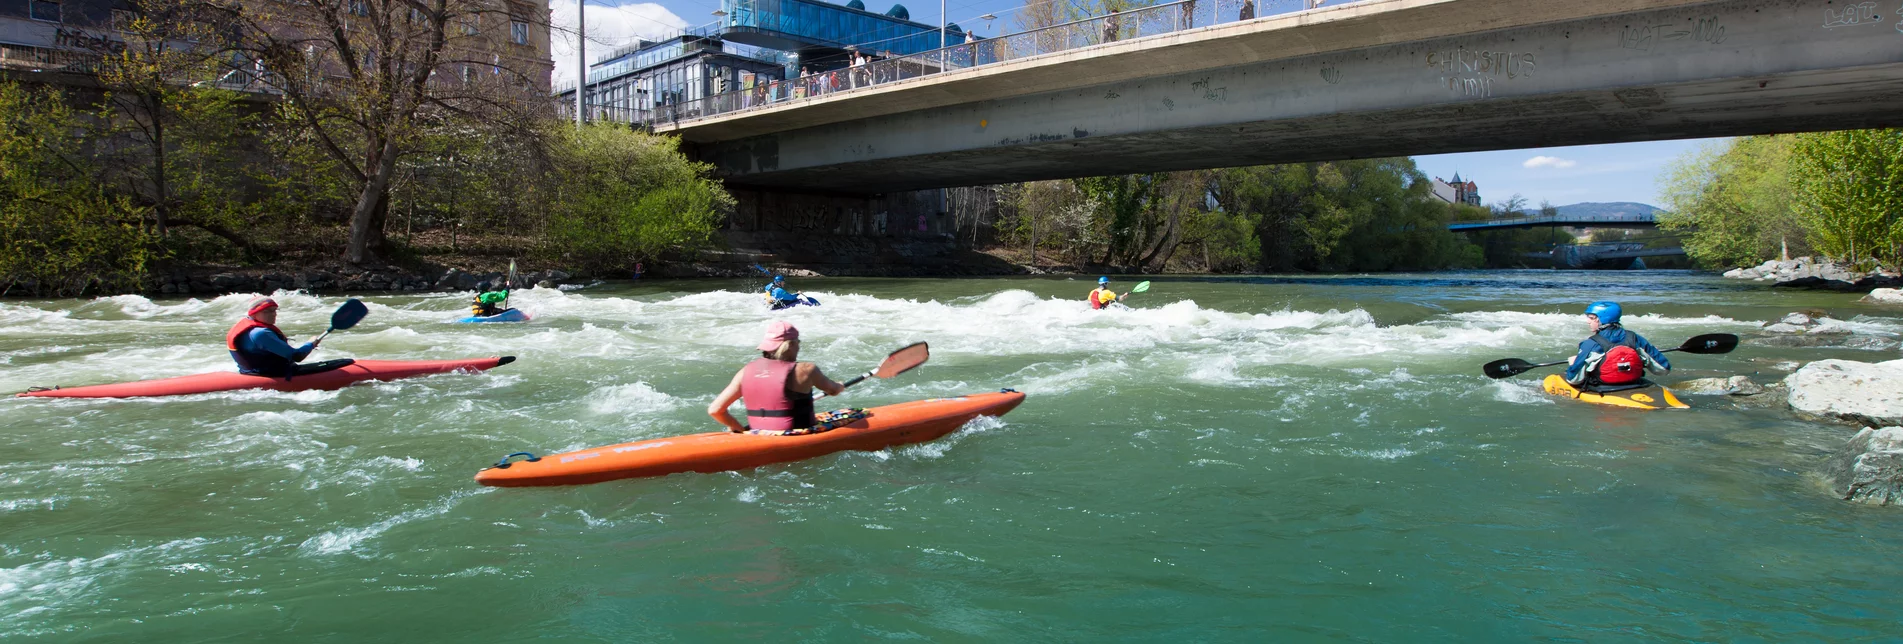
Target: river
<point>1287,457</point>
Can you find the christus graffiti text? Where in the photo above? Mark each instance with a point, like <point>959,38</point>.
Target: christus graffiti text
<point>1472,73</point>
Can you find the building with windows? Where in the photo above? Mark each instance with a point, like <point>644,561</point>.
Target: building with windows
<point>1457,191</point>
<point>742,58</point>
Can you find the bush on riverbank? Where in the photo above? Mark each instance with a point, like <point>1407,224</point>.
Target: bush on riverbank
<point>79,202</point>
<point>1834,194</point>
<point>1362,215</point>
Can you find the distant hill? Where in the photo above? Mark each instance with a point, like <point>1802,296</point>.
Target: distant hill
<point>1614,208</point>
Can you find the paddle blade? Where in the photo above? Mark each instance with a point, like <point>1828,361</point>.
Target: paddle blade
<point>1141,288</point>
<point>903,360</point>
<point>809,300</point>
<point>1710,343</point>
<point>1506,368</point>
<point>762,269</point>
<point>512,277</point>
<point>348,315</point>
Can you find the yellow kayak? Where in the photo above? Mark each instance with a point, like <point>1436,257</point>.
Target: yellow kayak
<point>1651,396</point>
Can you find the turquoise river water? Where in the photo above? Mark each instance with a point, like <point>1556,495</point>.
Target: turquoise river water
<point>1236,459</point>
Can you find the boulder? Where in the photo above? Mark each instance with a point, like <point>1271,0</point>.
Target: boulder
<point>1733,386</point>
<point>1782,327</point>
<point>1885,296</point>
<point>1869,469</point>
<point>1798,319</point>
<point>1863,392</point>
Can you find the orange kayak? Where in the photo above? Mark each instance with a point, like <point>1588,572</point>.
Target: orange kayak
<point>882,427</point>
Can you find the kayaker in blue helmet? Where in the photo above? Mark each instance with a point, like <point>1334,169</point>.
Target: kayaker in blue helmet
<point>1103,296</point>
<point>257,345</point>
<point>1613,357</point>
<point>777,297</point>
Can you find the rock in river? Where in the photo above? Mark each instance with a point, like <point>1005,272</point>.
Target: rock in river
<point>1885,296</point>
<point>1869,468</point>
<point>1734,386</point>
<point>1863,392</point>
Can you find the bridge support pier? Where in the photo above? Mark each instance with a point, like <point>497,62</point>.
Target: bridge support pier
<point>897,233</point>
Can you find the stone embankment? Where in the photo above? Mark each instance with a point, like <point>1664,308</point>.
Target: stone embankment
<point>1805,272</point>
<point>204,282</point>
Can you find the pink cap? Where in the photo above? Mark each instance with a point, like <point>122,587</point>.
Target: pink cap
<point>778,333</point>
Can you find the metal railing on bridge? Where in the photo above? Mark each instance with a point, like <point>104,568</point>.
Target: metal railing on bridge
<point>1583,221</point>
<point>1183,15</point>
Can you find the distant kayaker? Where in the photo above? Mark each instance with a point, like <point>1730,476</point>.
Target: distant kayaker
<point>1103,296</point>
<point>259,347</point>
<point>777,297</point>
<point>777,389</point>
<point>489,303</point>
<point>1613,356</point>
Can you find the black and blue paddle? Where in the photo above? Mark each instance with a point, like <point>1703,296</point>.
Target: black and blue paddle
<point>346,316</point>
<point>1709,343</point>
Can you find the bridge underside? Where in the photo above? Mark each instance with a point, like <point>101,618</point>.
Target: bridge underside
<point>1719,69</point>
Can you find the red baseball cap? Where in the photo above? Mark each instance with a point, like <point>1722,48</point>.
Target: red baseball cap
<point>778,333</point>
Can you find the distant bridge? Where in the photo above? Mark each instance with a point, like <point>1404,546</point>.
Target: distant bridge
<point>1577,221</point>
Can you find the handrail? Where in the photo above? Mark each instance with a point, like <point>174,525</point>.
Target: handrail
<point>1155,20</point>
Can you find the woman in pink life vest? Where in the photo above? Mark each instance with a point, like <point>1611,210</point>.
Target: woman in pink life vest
<point>778,389</point>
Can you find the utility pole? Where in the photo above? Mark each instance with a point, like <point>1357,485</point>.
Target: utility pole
<point>581,61</point>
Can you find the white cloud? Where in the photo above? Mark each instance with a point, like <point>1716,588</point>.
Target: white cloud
<point>1549,162</point>
<point>610,27</point>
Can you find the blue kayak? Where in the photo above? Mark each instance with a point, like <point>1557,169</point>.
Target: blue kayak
<point>775,305</point>
<point>511,315</point>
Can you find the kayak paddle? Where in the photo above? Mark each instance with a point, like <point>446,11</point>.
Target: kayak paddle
<point>346,316</point>
<point>896,363</point>
<point>1710,343</point>
<point>508,284</point>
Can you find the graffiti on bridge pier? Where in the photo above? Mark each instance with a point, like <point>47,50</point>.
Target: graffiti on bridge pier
<point>1645,38</point>
<point>1471,73</point>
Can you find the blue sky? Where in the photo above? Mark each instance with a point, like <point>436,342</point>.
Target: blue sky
<point>1614,172</point>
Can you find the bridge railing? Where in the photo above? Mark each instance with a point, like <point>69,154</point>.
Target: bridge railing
<point>1149,21</point>
<point>1555,220</point>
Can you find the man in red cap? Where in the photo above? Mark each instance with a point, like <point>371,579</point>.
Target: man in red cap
<point>778,389</point>
<point>259,347</point>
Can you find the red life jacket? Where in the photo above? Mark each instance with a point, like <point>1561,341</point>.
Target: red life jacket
<point>1622,363</point>
<point>766,388</point>
<point>256,362</point>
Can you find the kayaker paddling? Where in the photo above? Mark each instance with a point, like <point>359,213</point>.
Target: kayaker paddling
<point>777,388</point>
<point>777,297</point>
<point>1102,296</point>
<point>1613,358</point>
<point>259,348</point>
<point>489,303</point>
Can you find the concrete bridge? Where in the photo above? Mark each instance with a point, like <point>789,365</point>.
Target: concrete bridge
<point>1604,255</point>
<point>1373,78</point>
<point>1577,221</point>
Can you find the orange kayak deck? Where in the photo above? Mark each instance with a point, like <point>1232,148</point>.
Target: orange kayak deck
<point>339,378</point>
<point>900,424</point>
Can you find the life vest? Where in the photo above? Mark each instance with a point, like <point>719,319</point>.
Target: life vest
<point>1098,298</point>
<point>1622,363</point>
<point>765,387</point>
<point>481,309</point>
<point>257,362</point>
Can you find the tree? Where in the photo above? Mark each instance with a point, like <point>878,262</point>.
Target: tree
<point>1734,202</point>
<point>371,78</point>
<point>627,196</point>
<point>1848,189</point>
<point>60,231</point>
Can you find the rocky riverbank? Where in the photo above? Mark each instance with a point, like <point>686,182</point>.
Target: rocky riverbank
<point>217,280</point>
<point>1806,272</point>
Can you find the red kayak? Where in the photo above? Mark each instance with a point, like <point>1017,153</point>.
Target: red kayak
<point>339,378</point>
<point>879,428</point>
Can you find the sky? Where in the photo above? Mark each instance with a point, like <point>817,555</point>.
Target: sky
<point>1568,175</point>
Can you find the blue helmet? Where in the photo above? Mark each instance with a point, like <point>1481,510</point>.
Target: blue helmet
<point>1608,312</point>
<point>1103,280</point>
<point>779,278</point>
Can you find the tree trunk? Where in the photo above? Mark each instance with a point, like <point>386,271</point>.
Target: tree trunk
<point>162,196</point>
<point>366,220</point>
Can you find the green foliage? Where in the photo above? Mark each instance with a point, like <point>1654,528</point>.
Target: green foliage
<point>1847,188</point>
<point>1734,200</point>
<point>60,232</point>
<point>1363,215</point>
<point>627,196</point>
